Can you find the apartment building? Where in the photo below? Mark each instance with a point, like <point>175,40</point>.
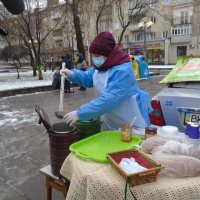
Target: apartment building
<point>174,32</point>
<point>156,35</point>
<point>184,38</point>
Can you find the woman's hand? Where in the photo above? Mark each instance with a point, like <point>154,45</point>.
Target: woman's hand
<point>66,72</point>
<point>71,117</point>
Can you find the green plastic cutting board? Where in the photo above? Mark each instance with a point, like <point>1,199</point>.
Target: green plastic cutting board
<point>95,147</point>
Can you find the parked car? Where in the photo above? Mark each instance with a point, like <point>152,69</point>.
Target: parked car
<point>176,105</point>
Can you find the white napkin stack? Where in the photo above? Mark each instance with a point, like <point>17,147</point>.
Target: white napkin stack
<point>131,166</point>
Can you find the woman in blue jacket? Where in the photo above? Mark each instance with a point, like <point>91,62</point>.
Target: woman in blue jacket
<point>118,98</point>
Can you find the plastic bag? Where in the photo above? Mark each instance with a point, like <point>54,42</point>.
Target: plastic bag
<point>149,144</point>
<point>175,147</point>
<point>177,166</point>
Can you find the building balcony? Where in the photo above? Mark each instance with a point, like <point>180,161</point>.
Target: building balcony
<point>181,2</point>
<point>181,29</point>
<point>133,27</point>
<point>181,38</point>
<point>181,33</point>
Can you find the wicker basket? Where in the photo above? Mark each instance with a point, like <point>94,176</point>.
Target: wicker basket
<point>138,178</point>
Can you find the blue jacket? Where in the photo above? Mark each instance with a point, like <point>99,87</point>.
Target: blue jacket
<point>68,61</point>
<point>121,85</point>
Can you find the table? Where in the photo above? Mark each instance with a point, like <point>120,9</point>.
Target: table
<point>98,181</point>
<point>53,182</point>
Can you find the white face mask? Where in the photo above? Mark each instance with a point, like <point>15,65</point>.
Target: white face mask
<point>98,61</point>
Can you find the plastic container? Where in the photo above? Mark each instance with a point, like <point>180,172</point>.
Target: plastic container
<point>171,132</point>
<point>150,131</point>
<point>88,128</point>
<point>126,133</point>
<point>143,67</point>
<point>188,126</point>
<point>135,67</point>
<point>61,136</point>
<point>193,135</point>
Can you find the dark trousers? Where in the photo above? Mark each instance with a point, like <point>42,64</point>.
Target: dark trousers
<point>67,85</point>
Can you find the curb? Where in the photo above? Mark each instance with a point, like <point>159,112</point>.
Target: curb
<point>29,90</point>
<point>25,91</point>
<point>154,73</point>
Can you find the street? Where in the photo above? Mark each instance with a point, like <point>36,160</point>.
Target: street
<point>24,147</point>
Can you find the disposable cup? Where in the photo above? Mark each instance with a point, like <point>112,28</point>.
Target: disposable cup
<point>187,129</point>
<point>193,131</point>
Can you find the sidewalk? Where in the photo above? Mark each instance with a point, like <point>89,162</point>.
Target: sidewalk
<point>10,85</point>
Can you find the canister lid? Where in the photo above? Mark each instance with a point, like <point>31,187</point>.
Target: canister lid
<point>150,128</point>
<point>43,118</point>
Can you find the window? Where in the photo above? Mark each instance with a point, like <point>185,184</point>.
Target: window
<point>132,3</point>
<point>126,9</point>
<point>138,37</point>
<point>152,3</point>
<point>152,35</point>
<point>126,38</point>
<point>57,33</point>
<point>153,19</point>
<point>184,17</point>
<point>59,43</point>
<point>165,17</point>
<point>165,34</point>
<point>181,50</point>
<point>165,2</point>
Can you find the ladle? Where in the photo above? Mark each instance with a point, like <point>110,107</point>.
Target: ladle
<point>60,114</point>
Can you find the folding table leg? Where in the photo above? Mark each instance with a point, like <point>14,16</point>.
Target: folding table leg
<point>49,188</point>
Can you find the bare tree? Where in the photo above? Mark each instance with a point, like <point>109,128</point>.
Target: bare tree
<point>75,7</point>
<point>29,27</point>
<point>102,8</point>
<point>134,10</point>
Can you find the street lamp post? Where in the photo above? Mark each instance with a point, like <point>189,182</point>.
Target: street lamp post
<point>145,23</point>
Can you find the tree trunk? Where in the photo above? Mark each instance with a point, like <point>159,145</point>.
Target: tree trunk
<point>17,69</point>
<point>79,38</point>
<point>33,65</point>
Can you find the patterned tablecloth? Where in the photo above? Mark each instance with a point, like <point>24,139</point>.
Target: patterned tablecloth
<point>97,181</point>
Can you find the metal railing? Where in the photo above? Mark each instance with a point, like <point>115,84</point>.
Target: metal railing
<point>181,29</point>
